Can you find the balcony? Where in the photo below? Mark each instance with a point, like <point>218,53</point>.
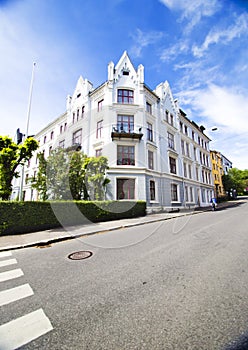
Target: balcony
<point>126,131</point>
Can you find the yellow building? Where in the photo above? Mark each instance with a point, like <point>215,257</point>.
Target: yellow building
<point>217,172</point>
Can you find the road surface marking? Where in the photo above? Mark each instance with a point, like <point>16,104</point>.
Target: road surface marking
<point>8,262</point>
<point>4,254</point>
<point>9,275</point>
<point>13,294</point>
<point>24,329</point>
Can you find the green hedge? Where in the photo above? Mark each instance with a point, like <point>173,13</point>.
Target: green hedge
<point>22,217</point>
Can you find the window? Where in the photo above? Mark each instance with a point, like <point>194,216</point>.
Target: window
<point>167,115</point>
<point>193,135</point>
<point>98,152</point>
<point>77,115</point>
<point>77,137</point>
<point>152,190</point>
<point>73,117</point>
<point>182,147</point>
<point>82,111</point>
<point>51,135</point>
<point>171,140</point>
<point>26,179</point>
<point>62,144</point>
<point>149,132</point>
<point>65,126</point>
<point>148,107</point>
<point>184,169</point>
<point>185,129</point>
<point>125,123</point>
<point>150,160</point>
<point>191,194</point>
<point>99,129</point>
<point>174,196</point>
<point>44,139</point>
<point>100,105</point>
<point>186,193</point>
<point>125,155</point>
<point>173,168</point>
<point>50,150</point>
<point>190,171</point>
<point>125,189</point>
<point>187,150</point>
<point>171,119</point>
<point>181,126</point>
<point>197,174</point>
<point>125,96</point>
<point>195,154</point>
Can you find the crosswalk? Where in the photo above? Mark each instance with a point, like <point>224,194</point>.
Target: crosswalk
<point>24,329</point>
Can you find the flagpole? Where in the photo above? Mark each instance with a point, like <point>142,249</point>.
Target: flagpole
<point>27,126</point>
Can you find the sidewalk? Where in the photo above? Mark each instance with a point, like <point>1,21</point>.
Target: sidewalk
<point>46,237</point>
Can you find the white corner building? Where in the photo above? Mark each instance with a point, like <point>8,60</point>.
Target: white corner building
<point>155,153</point>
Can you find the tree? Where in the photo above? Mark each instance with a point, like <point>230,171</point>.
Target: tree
<point>11,156</point>
<point>235,180</point>
<point>95,176</point>
<point>39,182</point>
<point>69,174</point>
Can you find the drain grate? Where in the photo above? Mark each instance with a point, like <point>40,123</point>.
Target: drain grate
<point>83,254</point>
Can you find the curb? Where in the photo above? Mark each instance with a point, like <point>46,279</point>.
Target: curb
<point>48,241</point>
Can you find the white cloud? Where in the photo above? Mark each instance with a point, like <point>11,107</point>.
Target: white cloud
<point>224,36</point>
<point>226,108</point>
<point>144,39</point>
<point>174,51</point>
<point>193,11</point>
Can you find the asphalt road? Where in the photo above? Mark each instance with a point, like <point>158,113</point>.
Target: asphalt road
<point>178,284</point>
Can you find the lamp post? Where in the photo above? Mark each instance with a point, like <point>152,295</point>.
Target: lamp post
<point>27,126</point>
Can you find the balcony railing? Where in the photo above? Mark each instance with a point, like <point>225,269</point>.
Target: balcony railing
<point>128,131</point>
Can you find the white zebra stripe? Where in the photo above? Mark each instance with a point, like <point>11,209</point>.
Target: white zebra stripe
<point>10,295</point>
<point>9,275</point>
<point>5,254</point>
<point>8,262</point>
<point>24,329</point>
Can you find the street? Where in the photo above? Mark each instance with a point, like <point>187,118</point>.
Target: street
<point>175,284</point>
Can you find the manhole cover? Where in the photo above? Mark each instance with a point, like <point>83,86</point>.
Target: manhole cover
<point>84,254</point>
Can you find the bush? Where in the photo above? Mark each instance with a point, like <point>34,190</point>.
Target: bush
<point>22,217</point>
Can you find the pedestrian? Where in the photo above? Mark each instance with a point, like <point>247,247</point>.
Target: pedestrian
<point>213,203</point>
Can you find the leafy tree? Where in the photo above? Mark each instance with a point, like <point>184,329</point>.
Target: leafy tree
<point>235,180</point>
<point>77,175</point>
<point>39,182</point>
<point>95,176</point>
<point>11,156</point>
<point>69,174</point>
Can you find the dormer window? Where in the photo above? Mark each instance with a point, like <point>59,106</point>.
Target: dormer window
<point>125,70</point>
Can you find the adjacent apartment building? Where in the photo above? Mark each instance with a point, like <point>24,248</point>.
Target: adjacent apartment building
<point>155,153</point>
<point>220,166</point>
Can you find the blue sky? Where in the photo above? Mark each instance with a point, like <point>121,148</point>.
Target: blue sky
<point>200,47</point>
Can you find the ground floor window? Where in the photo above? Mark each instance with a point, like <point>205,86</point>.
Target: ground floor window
<point>174,195</point>
<point>125,189</point>
<point>152,190</point>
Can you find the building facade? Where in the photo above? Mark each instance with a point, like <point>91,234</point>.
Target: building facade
<point>155,153</point>
<point>217,173</point>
